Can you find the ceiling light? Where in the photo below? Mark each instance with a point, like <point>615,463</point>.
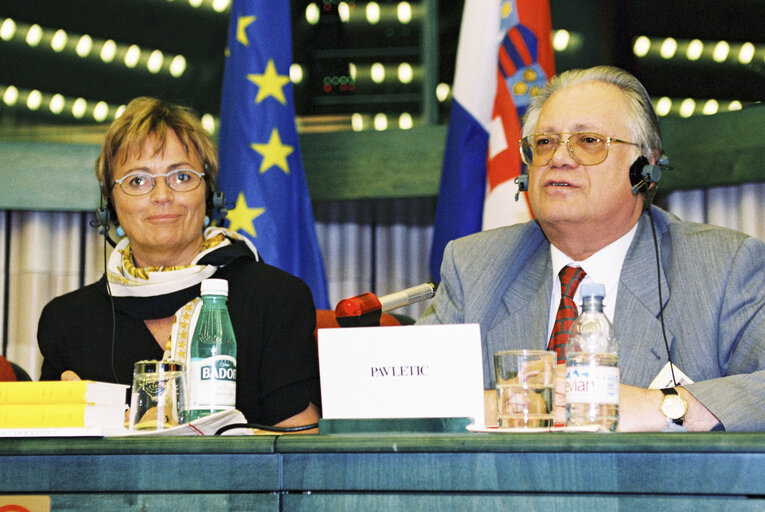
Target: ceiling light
<point>100,111</point>
<point>296,73</point>
<point>442,92</point>
<point>79,107</point>
<point>668,48</point>
<point>154,64</point>
<point>561,40</point>
<point>735,105</point>
<point>695,48</point>
<point>84,45</point>
<point>10,96</point>
<point>195,3</point>
<point>58,41</point>
<point>721,51</point>
<point>178,66</point>
<point>378,72</point>
<point>405,121</point>
<point>710,107</point>
<point>56,104</point>
<point>108,51</point>
<point>132,55</point>
<point>373,12</point>
<point>405,73</point>
<point>687,107</point>
<point>357,122</point>
<point>380,122</point>
<point>641,46</point>
<point>663,106</point>
<point>34,35</point>
<point>220,5</point>
<point>746,53</point>
<point>34,99</point>
<point>312,14</point>
<point>344,11</point>
<point>404,12</point>
<point>208,123</point>
<point>7,29</point>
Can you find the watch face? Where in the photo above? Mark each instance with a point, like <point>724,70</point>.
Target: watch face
<point>673,407</point>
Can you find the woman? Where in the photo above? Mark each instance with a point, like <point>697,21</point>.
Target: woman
<point>157,170</point>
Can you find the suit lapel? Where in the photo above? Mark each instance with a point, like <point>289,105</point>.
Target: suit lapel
<point>642,353</point>
<point>523,322</point>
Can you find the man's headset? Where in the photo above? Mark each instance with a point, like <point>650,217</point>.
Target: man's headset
<point>216,209</point>
<point>642,174</point>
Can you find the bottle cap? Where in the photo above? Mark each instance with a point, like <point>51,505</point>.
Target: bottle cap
<point>215,287</point>
<point>593,290</point>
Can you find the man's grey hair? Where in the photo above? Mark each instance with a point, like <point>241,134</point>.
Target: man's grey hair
<point>644,124</point>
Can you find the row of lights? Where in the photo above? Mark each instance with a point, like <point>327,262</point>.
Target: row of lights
<point>689,106</point>
<point>376,72</point>
<point>381,122</point>
<point>215,5</point>
<point>78,108</point>
<point>695,49</point>
<point>101,111</point>
<point>373,12</point>
<point>59,104</point>
<point>85,46</point>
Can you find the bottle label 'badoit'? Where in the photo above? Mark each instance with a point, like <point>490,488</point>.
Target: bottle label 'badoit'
<point>212,383</point>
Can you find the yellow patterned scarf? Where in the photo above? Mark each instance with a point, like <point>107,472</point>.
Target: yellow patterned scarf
<point>128,282</point>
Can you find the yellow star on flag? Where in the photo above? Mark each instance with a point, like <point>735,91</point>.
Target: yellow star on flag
<point>241,25</point>
<point>270,83</point>
<point>241,217</point>
<point>274,153</point>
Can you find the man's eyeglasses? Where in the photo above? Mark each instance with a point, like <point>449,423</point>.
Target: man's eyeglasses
<point>140,183</point>
<point>585,148</point>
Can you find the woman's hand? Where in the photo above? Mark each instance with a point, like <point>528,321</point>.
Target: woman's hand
<point>309,416</point>
<point>70,375</point>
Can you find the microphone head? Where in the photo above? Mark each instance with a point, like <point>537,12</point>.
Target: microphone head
<point>360,311</point>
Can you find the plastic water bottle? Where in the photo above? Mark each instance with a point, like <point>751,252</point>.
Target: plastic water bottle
<point>212,371</point>
<point>592,365</point>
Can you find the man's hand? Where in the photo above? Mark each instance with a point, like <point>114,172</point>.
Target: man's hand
<point>639,411</point>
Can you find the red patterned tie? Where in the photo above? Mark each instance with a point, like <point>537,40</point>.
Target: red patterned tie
<point>570,277</point>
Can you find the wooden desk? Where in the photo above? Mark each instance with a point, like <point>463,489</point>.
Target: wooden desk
<point>545,472</point>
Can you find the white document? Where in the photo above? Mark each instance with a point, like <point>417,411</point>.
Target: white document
<point>414,371</point>
<point>664,378</point>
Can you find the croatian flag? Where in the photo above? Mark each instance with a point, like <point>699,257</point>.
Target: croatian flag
<point>261,171</point>
<point>504,56</point>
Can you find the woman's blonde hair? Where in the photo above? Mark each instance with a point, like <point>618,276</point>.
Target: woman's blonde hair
<point>144,116</point>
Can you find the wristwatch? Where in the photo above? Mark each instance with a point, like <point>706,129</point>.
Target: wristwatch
<point>673,406</point>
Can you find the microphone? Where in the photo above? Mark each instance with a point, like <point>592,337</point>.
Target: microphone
<point>366,309</point>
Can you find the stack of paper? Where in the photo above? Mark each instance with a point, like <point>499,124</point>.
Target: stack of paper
<point>61,408</point>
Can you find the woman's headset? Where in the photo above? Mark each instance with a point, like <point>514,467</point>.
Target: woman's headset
<point>215,208</point>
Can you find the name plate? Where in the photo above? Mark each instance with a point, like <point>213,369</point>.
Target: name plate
<point>413,371</point>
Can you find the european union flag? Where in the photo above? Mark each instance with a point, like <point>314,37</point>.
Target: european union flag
<point>261,168</point>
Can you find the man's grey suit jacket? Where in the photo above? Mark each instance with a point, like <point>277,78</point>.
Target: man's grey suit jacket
<point>712,288</point>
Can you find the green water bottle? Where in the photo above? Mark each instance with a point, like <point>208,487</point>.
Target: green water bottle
<point>212,369</point>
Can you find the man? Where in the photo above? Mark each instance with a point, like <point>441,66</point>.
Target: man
<point>592,145</point>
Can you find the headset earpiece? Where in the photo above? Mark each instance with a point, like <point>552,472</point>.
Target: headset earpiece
<point>522,181</point>
<point>216,201</point>
<point>105,216</point>
<point>643,173</point>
